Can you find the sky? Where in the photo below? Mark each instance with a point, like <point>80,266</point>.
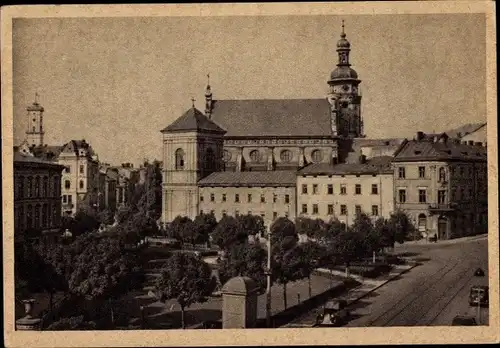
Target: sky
<point>116,82</point>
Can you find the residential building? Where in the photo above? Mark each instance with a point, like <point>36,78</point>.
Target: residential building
<point>37,194</point>
<point>442,183</point>
<point>345,190</point>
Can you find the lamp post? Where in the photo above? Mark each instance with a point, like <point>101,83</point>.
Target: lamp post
<point>478,273</point>
<point>268,276</point>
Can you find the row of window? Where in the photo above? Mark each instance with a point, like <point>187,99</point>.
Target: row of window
<point>423,174</point>
<point>68,169</point>
<point>237,213</point>
<point>237,198</point>
<point>343,209</point>
<point>31,187</point>
<point>342,191</point>
<point>37,216</point>
<point>67,184</point>
<point>422,195</point>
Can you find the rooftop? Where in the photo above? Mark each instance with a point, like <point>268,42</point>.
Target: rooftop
<point>22,158</point>
<point>193,120</point>
<point>264,178</point>
<point>375,165</point>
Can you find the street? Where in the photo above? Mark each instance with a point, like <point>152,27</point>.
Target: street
<point>431,294</point>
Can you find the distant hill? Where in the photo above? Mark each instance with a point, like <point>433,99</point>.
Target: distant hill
<point>464,130</point>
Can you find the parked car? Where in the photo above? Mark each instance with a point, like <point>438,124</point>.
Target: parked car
<point>334,314</point>
<point>461,320</point>
<point>479,295</point>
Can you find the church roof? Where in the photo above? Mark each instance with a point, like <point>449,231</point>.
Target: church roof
<point>273,117</point>
<point>264,178</point>
<point>376,165</point>
<point>193,120</point>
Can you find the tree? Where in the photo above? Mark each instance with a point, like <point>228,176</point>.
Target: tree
<point>204,225</point>
<point>401,226</point>
<point>244,260</point>
<point>228,232</point>
<point>124,213</point>
<point>313,228</point>
<point>85,220</point>
<point>185,278</point>
<point>106,217</point>
<point>252,224</point>
<point>314,255</point>
<point>182,228</point>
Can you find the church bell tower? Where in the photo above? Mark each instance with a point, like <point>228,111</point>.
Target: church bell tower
<point>343,95</point>
<point>35,131</point>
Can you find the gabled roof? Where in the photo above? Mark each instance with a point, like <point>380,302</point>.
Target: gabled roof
<point>193,120</point>
<point>262,179</point>
<point>273,117</point>
<point>428,150</point>
<point>376,165</point>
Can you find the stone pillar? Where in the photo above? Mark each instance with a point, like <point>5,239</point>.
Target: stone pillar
<point>270,159</point>
<point>28,323</point>
<point>301,157</point>
<point>239,159</point>
<point>239,303</point>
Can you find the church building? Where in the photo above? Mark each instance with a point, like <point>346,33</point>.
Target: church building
<point>238,152</point>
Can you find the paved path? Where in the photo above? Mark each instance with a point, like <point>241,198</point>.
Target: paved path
<point>432,293</point>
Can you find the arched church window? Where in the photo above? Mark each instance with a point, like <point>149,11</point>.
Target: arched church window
<point>255,156</point>
<point>179,159</point>
<point>209,159</point>
<point>442,174</point>
<point>317,156</point>
<point>286,155</point>
<point>226,157</point>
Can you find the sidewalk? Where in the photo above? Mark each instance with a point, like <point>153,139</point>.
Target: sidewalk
<point>367,286</point>
<point>443,242</point>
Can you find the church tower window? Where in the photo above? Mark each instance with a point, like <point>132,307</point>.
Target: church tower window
<point>317,156</point>
<point>286,155</point>
<point>209,160</point>
<point>255,156</point>
<point>179,159</point>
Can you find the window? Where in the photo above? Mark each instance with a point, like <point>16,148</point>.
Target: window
<point>212,197</point>
<point>358,210</point>
<point>249,197</point>
<point>223,197</point>
<point>358,189</point>
<point>70,199</point>
<point>374,189</point>
<point>315,189</point>
<point>236,213</point>
<point>402,196</point>
<point>421,172</point>
<point>315,209</point>
<point>263,215</point>
<point>81,184</point>
<point>375,210</point>
<point>236,198</point>
<point>275,197</point>
<point>453,194</point>
<point>45,216</point>
<point>286,155</point>
<point>262,198</point>
<point>37,215</point>
<point>201,212</point>
<point>275,215</point>
<point>442,174</point>
<point>82,169</point>
<point>316,156</point>
<point>343,209</point>
<point>37,186</point>
<point>422,223</point>
<point>67,184</point>
<point>343,189</point>
<point>201,198</point>
<point>304,208</point>
<point>20,187</point>
<point>286,214</point>
<point>64,198</point>
<point>30,186</point>
<point>304,189</point>
<point>422,196</point>
<point>287,199</point>
<point>441,196</point>
<point>330,209</point>
<point>330,189</point>
<point>179,159</point>
<point>224,213</point>
<point>462,193</point>
<point>45,187</point>
<point>209,162</point>
<point>255,156</point>
<point>67,169</point>
<point>402,172</point>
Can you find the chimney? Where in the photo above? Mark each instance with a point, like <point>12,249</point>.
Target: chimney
<point>471,142</point>
<point>420,136</point>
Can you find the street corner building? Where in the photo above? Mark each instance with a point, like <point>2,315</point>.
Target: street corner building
<point>37,195</point>
<point>300,157</point>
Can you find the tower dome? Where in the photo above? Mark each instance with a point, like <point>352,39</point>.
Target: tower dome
<point>343,42</point>
<point>343,72</point>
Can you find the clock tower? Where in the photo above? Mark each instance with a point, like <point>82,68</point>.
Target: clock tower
<point>344,96</point>
<point>35,131</point>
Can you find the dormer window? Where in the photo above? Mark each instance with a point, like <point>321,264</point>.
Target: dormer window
<point>179,159</point>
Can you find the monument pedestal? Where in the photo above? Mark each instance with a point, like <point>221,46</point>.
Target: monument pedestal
<point>239,303</point>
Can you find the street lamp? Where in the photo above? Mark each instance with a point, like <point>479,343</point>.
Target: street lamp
<point>478,273</point>
<point>268,276</point>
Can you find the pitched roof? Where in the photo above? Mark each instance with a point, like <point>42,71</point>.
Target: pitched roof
<point>21,158</point>
<point>193,120</point>
<point>465,129</point>
<point>273,117</point>
<point>428,150</point>
<point>265,178</point>
<point>376,165</point>
<point>47,152</point>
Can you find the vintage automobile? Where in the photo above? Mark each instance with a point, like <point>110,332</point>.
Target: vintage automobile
<point>479,296</point>
<point>461,320</point>
<point>334,314</point>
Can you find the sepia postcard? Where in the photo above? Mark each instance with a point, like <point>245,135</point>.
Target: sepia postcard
<point>250,174</point>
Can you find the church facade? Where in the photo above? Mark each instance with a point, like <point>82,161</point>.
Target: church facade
<point>229,146</point>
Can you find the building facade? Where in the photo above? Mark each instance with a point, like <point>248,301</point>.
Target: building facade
<point>442,184</point>
<point>345,190</point>
<point>37,194</point>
